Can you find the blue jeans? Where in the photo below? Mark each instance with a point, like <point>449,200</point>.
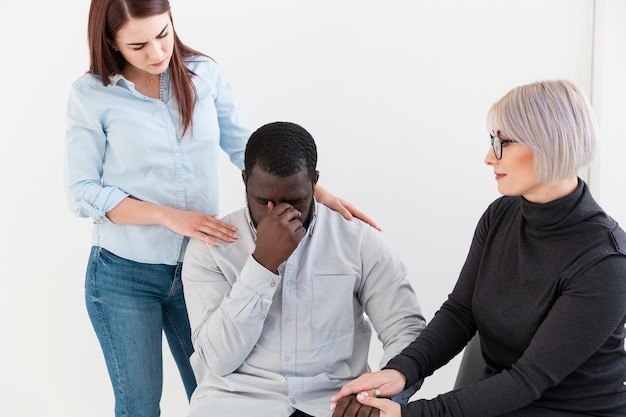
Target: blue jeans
<point>130,305</point>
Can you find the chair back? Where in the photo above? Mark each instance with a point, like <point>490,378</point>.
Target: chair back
<point>472,364</point>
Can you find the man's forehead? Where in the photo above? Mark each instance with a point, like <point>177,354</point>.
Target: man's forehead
<point>271,175</point>
<point>261,181</point>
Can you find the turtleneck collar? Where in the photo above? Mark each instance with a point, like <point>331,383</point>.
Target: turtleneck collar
<point>562,212</point>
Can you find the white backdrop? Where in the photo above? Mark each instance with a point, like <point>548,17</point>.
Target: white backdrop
<point>395,93</point>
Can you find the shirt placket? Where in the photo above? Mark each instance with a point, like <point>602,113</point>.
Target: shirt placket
<point>289,315</point>
<point>176,149</point>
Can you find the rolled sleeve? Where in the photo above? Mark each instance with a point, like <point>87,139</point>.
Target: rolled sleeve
<point>85,148</point>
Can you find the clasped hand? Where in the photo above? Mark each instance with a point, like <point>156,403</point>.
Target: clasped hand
<point>358,398</point>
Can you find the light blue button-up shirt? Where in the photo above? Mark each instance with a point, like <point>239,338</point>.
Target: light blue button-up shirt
<point>121,143</point>
<point>267,344</point>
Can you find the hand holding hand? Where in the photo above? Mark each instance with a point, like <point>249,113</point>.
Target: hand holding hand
<point>349,406</point>
<point>385,383</point>
<point>365,405</point>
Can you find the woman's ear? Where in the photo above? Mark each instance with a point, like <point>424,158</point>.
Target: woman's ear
<point>112,45</point>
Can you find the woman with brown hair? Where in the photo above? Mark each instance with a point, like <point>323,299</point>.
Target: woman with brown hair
<point>145,125</point>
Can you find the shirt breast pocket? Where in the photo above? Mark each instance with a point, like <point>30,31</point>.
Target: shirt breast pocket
<point>332,307</point>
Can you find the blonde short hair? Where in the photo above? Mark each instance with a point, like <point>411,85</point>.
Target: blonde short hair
<point>554,119</point>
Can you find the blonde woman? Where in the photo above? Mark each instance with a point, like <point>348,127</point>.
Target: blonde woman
<point>544,283</point>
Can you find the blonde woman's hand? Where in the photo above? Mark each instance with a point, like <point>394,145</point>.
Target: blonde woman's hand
<point>385,383</point>
<point>364,405</point>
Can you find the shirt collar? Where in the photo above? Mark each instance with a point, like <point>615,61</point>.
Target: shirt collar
<point>114,79</point>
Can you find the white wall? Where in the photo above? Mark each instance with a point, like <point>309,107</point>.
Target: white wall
<point>395,92</point>
<point>609,97</point>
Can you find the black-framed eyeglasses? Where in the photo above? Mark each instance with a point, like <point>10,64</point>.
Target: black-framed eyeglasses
<point>497,144</point>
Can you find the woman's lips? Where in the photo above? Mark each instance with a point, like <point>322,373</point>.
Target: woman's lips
<point>159,64</point>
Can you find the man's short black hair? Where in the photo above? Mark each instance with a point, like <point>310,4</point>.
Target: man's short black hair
<point>281,149</point>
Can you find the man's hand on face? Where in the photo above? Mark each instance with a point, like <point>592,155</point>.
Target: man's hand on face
<point>278,234</point>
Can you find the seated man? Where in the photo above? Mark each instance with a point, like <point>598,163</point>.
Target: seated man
<point>279,316</point>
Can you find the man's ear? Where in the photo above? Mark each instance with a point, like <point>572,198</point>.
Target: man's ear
<point>244,176</point>
<point>317,177</point>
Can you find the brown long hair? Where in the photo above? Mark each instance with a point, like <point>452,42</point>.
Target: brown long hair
<point>106,18</point>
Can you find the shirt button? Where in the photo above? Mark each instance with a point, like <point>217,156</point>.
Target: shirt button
<point>287,358</point>
<point>294,402</point>
<point>273,284</point>
<point>263,317</point>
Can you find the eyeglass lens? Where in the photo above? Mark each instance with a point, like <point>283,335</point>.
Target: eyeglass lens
<point>496,143</point>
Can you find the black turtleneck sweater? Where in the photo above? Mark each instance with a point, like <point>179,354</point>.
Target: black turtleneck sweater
<point>545,286</point>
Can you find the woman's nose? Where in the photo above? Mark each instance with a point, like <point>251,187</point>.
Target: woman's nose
<point>490,158</point>
<point>155,51</point>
